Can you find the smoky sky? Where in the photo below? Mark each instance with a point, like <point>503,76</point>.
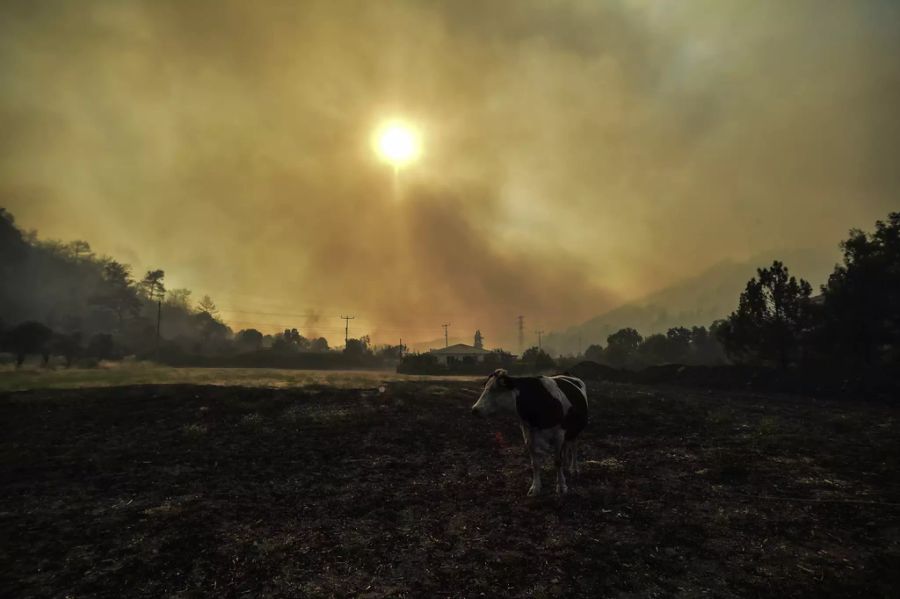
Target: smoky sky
<point>576,154</point>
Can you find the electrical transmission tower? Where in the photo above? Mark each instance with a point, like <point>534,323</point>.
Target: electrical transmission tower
<point>539,333</point>
<point>347,320</point>
<point>521,320</point>
<point>446,338</point>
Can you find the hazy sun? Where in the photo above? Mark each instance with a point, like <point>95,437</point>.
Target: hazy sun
<point>397,143</point>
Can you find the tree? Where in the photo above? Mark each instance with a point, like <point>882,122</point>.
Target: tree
<point>861,300</point>
<point>705,346</point>
<point>319,345</point>
<point>538,358</point>
<point>179,299</point>
<point>28,338</point>
<point>249,339</point>
<point>479,339</point>
<point>66,345</point>
<point>153,285</point>
<point>155,290</point>
<point>679,344</point>
<point>655,349</point>
<point>622,346</point>
<point>773,313</point>
<point>357,347</point>
<point>390,352</point>
<point>290,340</point>
<point>212,333</point>
<point>117,293</point>
<point>100,346</point>
<point>594,353</point>
<point>79,249</point>
<point>207,305</point>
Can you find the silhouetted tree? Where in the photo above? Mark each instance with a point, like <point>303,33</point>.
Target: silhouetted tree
<point>117,294</point>
<point>622,346</point>
<point>594,353</point>
<point>773,313</point>
<point>861,300</point>
<point>538,358</point>
<point>319,345</point>
<point>357,347</point>
<point>207,305</point>
<point>655,349</point>
<point>249,339</point>
<point>179,299</point>
<point>153,285</point>
<point>705,346</point>
<point>28,338</point>
<point>79,249</point>
<point>101,346</point>
<point>390,352</point>
<point>66,345</point>
<point>155,290</point>
<point>679,345</point>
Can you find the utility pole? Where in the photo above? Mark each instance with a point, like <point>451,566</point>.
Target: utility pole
<point>446,338</point>
<point>158,320</point>
<point>347,320</point>
<point>521,320</point>
<point>400,351</point>
<point>539,333</point>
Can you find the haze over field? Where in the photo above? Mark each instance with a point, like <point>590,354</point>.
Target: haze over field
<point>575,155</point>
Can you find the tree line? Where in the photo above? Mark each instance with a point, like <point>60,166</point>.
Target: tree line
<point>852,324</point>
<point>62,299</point>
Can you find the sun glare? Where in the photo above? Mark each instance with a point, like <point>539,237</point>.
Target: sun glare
<point>397,143</point>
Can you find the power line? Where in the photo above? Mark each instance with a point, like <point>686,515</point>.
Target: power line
<point>347,320</point>
<point>521,320</point>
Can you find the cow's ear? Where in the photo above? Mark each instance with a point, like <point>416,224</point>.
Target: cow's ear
<point>504,381</point>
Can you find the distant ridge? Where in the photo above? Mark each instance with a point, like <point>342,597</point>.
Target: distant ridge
<point>696,301</point>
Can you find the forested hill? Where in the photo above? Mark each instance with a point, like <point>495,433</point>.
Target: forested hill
<point>71,290</point>
<point>697,301</point>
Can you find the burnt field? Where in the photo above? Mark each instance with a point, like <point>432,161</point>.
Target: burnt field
<point>185,491</point>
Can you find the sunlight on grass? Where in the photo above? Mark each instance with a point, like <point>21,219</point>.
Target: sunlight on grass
<point>145,373</point>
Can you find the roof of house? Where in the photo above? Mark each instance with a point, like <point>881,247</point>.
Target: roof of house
<point>460,349</point>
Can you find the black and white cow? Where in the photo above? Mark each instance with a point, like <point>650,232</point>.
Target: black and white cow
<point>552,412</point>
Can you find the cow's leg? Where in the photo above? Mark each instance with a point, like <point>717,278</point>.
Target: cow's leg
<point>575,467</point>
<point>531,446</point>
<point>559,444</point>
<point>535,473</point>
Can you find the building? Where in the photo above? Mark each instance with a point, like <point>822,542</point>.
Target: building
<point>460,354</point>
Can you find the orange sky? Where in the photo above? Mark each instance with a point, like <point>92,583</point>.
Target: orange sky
<point>576,154</point>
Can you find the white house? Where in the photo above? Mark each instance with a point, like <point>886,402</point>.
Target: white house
<point>459,353</point>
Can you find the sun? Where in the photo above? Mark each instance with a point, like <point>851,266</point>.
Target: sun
<point>397,143</point>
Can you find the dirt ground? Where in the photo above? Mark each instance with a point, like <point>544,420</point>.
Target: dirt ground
<point>190,491</point>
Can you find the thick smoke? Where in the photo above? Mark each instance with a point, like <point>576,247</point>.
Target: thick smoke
<point>577,154</point>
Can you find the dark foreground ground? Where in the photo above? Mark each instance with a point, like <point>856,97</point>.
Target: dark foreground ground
<point>191,491</point>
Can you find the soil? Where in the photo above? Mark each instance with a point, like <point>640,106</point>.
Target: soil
<point>191,491</point>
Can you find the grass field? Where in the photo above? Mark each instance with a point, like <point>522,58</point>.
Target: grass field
<point>117,374</point>
<point>328,490</point>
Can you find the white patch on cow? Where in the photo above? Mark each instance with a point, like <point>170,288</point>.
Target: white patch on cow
<point>575,381</point>
<point>494,398</point>
<point>558,394</point>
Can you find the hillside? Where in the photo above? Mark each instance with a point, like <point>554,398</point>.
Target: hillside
<point>696,301</point>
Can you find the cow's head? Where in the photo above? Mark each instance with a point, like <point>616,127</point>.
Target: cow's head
<point>499,395</point>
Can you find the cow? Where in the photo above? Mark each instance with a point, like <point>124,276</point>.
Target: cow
<point>552,412</point>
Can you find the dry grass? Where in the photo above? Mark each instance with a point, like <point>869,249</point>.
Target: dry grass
<point>190,491</point>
